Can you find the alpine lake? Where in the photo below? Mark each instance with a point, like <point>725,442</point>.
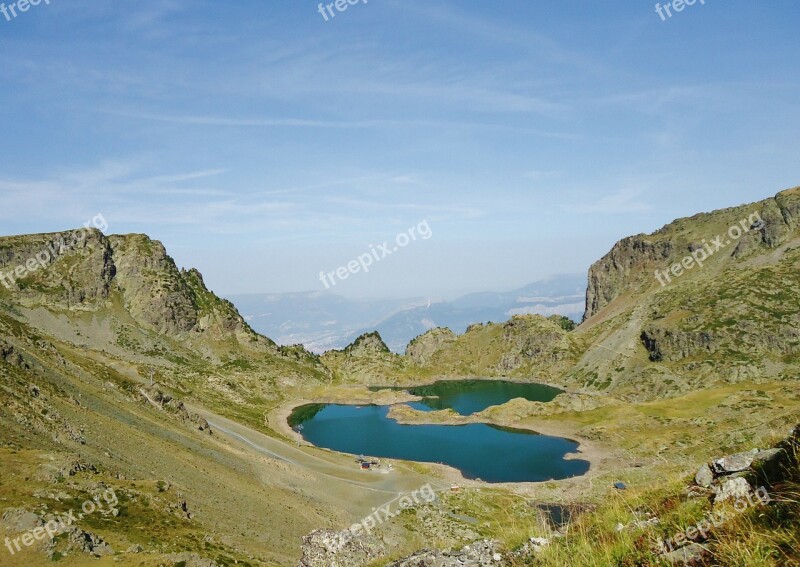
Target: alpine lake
<point>479,450</point>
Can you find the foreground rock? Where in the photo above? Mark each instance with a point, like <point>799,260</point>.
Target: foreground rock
<point>478,554</point>
<point>740,480</point>
<point>329,548</point>
<point>692,554</point>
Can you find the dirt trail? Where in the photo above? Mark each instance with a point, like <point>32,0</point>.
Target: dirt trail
<point>340,472</point>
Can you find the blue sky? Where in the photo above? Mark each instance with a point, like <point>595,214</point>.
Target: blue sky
<point>263,144</point>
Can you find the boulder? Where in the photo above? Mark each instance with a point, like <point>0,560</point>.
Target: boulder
<point>704,476</point>
<point>733,463</point>
<point>770,466</point>
<point>692,554</point>
<point>732,488</point>
<point>19,520</point>
<point>478,554</point>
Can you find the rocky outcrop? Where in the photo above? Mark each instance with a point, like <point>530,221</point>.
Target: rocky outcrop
<point>630,265</point>
<point>69,271</point>
<point>329,548</point>
<point>609,276</point>
<point>734,482</point>
<point>367,345</point>
<point>532,339</point>
<point>756,466</point>
<point>520,346</point>
<point>66,269</point>
<point>152,287</point>
<point>167,403</point>
<point>479,554</point>
<point>671,344</point>
<point>87,542</point>
<point>9,355</point>
<point>171,301</point>
<point>422,349</point>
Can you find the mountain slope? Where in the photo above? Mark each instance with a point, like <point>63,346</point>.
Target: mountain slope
<point>735,317</point>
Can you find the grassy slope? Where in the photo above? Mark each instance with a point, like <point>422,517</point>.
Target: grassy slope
<point>663,424</point>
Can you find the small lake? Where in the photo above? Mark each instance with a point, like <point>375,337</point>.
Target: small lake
<point>488,452</point>
<point>470,396</point>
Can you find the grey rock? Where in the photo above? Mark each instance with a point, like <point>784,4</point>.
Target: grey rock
<point>734,488</point>
<point>733,463</point>
<point>704,476</point>
<point>692,554</point>
<point>20,520</point>
<point>88,543</point>
<point>484,553</point>
<point>329,548</point>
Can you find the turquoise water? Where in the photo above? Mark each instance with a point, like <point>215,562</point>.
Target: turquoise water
<point>487,452</point>
<point>470,396</point>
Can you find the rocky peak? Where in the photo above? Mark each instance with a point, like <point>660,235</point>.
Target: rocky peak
<point>86,269</point>
<point>367,344</point>
<point>65,269</point>
<point>421,349</point>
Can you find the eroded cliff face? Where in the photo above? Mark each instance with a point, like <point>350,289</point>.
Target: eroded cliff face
<point>422,349</point>
<point>65,269</point>
<point>631,264</point>
<point>86,270</point>
<point>154,291</point>
<point>614,272</point>
<point>706,299</point>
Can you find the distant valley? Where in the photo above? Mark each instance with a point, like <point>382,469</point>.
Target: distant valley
<point>324,321</point>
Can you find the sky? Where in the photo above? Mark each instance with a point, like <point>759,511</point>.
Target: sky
<point>264,142</point>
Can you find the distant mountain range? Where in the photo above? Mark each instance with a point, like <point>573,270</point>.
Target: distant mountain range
<point>324,321</point>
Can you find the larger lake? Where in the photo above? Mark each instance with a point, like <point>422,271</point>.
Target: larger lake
<point>487,452</point>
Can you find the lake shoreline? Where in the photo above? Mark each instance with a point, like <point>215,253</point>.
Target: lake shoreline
<point>586,450</point>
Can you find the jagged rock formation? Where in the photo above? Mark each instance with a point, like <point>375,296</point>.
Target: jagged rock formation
<point>632,262</point>
<point>526,345</point>
<point>422,349</point>
<point>91,272</point>
<point>482,553</point>
<point>706,299</point>
<point>366,345</point>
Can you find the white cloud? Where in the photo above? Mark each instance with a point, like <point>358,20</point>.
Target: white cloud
<point>622,201</point>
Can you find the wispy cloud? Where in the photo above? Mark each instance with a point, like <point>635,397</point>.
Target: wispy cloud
<point>623,201</point>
